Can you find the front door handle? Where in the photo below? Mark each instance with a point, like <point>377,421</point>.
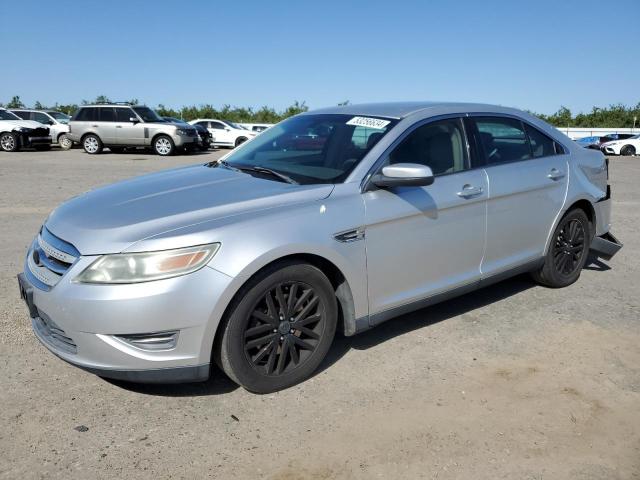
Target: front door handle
<point>555,174</point>
<point>118,126</point>
<point>469,191</point>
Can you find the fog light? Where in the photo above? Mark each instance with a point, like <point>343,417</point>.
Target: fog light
<point>151,341</point>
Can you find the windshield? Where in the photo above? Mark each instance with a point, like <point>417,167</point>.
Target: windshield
<point>6,115</point>
<point>59,116</point>
<point>147,114</point>
<point>310,149</point>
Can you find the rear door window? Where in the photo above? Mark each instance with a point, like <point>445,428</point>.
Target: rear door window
<point>107,114</point>
<point>502,139</point>
<point>217,125</point>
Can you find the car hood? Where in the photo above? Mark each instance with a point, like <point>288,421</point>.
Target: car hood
<point>112,218</point>
<point>20,123</point>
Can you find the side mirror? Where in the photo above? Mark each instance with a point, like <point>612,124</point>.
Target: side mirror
<point>134,120</point>
<point>227,129</point>
<point>49,122</point>
<point>403,175</point>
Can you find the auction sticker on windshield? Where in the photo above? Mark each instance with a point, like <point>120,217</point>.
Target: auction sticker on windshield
<point>369,122</point>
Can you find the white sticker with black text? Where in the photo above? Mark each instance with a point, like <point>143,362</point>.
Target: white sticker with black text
<point>369,122</point>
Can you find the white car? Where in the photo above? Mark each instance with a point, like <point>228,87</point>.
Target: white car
<point>16,133</point>
<point>225,133</point>
<point>57,122</point>
<point>628,146</point>
<point>256,127</point>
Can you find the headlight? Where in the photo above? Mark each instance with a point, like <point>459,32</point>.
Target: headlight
<point>23,129</point>
<point>182,131</point>
<point>147,266</point>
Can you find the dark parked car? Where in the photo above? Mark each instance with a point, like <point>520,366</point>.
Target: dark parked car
<point>205,136</point>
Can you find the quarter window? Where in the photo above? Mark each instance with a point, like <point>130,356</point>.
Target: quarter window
<point>87,114</point>
<point>502,139</point>
<point>541,145</point>
<point>438,145</point>
<point>23,115</point>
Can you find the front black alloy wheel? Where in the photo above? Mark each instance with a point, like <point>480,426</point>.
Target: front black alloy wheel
<point>284,328</point>
<point>280,329</point>
<point>568,251</point>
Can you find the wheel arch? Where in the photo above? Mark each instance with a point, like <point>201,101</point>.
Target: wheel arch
<point>91,132</point>
<point>341,287</point>
<point>585,205</point>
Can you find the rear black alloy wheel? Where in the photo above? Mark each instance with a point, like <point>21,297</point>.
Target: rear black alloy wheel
<point>280,330</point>
<point>568,251</point>
<point>568,247</point>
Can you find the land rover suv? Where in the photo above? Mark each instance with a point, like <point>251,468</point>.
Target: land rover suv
<point>118,127</point>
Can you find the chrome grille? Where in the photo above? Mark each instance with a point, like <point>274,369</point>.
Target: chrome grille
<point>48,259</point>
<point>53,334</point>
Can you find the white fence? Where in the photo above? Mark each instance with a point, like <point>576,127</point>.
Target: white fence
<point>581,132</point>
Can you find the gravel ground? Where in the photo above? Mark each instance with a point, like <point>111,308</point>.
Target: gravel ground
<point>514,381</point>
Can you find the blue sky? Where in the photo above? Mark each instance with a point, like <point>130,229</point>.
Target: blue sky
<point>536,55</point>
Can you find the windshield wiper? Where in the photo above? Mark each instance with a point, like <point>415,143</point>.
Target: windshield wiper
<point>268,171</point>
<point>256,169</point>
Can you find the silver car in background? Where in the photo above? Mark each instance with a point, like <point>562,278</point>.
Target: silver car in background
<point>120,126</point>
<point>337,219</point>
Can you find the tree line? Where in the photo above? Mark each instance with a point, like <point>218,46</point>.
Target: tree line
<point>613,116</point>
<point>264,114</point>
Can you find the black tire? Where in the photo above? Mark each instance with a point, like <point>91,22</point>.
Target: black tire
<point>203,148</point>
<point>64,142</point>
<point>568,251</point>
<point>628,150</point>
<point>240,141</point>
<point>9,142</point>
<point>163,145</point>
<point>116,149</point>
<point>42,148</point>
<point>261,349</point>
<point>92,144</point>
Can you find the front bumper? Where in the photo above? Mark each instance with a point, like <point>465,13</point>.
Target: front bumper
<point>185,140</point>
<point>85,324</point>
<point>27,141</point>
<point>607,150</point>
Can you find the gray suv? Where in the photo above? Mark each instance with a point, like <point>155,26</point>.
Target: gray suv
<point>333,220</point>
<point>119,126</point>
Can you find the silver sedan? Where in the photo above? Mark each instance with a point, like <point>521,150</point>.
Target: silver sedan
<point>337,219</point>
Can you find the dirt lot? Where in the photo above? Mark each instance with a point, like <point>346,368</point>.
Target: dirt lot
<point>514,381</point>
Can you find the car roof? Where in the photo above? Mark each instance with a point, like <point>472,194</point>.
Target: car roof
<point>400,110</point>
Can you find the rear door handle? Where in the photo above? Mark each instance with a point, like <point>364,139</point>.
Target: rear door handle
<point>555,174</point>
<point>118,126</point>
<point>469,191</point>
<point>94,126</point>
